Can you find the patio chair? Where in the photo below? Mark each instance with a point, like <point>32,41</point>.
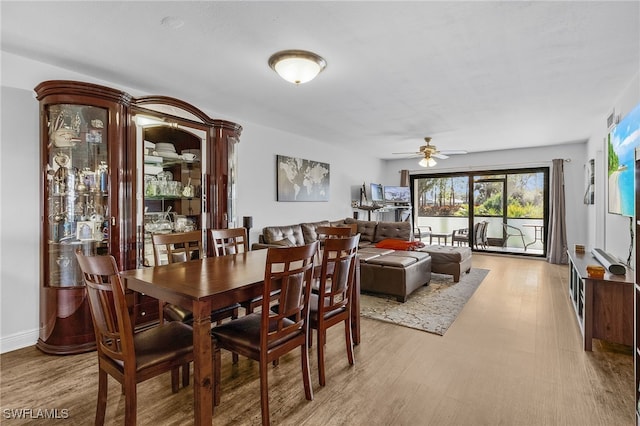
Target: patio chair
<point>512,231</point>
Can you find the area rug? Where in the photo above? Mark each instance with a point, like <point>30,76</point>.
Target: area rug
<point>431,308</point>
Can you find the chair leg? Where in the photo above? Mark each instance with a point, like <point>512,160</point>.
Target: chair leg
<point>130,400</point>
<point>234,355</point>
<point>217,365</point>
<point>306,375</point>
<point>102,397</point>
<point>264,392</point>
<point>349,339</point>
<point>175,379</point>
<point>185,375</point>
<point>320,350</point>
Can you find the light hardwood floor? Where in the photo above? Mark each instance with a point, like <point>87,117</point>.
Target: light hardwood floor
<point>512,357</point>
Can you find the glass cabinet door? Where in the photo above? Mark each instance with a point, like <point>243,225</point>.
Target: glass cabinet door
<point>76,189</point>
<point>171,185</point>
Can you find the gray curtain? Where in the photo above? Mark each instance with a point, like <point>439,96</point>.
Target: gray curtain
<point>557,231</point>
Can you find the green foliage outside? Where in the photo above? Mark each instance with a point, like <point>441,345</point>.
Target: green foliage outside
<point>449,197</point>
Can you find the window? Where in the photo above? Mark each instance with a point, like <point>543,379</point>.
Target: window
<point>513,203</point>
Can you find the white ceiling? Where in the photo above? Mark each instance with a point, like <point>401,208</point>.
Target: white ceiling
<point>475,76</point>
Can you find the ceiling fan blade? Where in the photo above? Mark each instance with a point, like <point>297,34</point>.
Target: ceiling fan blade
<point>453,152</point>
<point>440,155</point>
<point>407,153</point>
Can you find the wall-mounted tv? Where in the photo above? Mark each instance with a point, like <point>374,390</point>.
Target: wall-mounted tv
<point>397,194</point>
<point>623,140</point>
<point>376,192</point>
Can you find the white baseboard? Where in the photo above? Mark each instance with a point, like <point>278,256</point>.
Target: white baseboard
<point>19,340</point>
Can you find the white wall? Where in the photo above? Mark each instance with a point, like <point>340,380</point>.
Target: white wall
<point>20,202</point>
<point>19,219</point>
<point>257,181</point>
<point>518,158</point>
<point>609,231</point>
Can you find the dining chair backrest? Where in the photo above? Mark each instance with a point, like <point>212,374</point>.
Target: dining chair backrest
<point>229,241</point>
<point>337,272</point>
<point>289,269</point>
<point>111,321</point>
<point>333,231</point>
<point>178,247</point>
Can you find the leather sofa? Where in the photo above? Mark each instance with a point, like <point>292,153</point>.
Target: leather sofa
<point>371,232</point>
<point>392,272</point>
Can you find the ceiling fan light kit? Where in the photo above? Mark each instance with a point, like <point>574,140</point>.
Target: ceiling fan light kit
<point>428,162</point>
<point>297,66</point>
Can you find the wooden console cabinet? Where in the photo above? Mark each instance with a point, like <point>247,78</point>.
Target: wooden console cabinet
<point>604,307</point>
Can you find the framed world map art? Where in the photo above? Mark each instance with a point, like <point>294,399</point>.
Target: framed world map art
<point>301,180</point>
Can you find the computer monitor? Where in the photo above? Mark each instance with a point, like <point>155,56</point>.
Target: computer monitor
<point>397,194</point>
<point>377,194</point>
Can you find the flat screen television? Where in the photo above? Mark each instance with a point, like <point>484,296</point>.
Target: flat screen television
<point>623,140</point>
<point>397,194</point>
<point>376,193</point>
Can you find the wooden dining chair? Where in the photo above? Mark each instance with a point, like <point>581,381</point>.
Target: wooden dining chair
<point>229,241</point>
<point>325,232</point>
<point>332,304</point>
<point>233,241</point>
<point>266,335</point>
<point>128,357</point>
<point>185,247</point>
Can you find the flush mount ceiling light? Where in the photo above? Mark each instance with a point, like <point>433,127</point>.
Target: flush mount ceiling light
<point>297,66</point>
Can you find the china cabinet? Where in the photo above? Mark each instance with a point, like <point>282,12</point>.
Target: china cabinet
<point>115,169</point>
<point>186,171</point>
<point>82,152</point>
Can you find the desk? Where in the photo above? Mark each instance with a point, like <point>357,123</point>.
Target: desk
<point>439,235</point>
<point>537,234</point>
<point>202,286</point>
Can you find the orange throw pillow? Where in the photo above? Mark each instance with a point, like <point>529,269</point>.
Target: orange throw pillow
<point>394,244</point>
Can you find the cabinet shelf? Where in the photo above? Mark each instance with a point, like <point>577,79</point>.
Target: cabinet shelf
<point>79,194</point>
<point>166,162</point>
<point>169,197</point>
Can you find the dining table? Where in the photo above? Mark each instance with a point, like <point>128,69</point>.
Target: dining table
<point>205,285</point>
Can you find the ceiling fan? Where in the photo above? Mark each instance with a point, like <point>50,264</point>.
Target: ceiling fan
<point>429,152</point>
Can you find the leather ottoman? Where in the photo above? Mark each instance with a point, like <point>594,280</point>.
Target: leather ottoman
<point>449,260</point>
<point>391,272</point>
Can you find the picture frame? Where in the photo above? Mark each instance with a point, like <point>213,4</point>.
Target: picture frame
<point>301,180</point>
<point>589,175</point>
<point>85,230</point>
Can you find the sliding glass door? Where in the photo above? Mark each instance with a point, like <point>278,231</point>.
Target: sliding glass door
<point>508,215</point>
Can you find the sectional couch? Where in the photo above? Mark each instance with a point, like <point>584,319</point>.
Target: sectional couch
<point>382,270</point>
<point>371,232</point>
